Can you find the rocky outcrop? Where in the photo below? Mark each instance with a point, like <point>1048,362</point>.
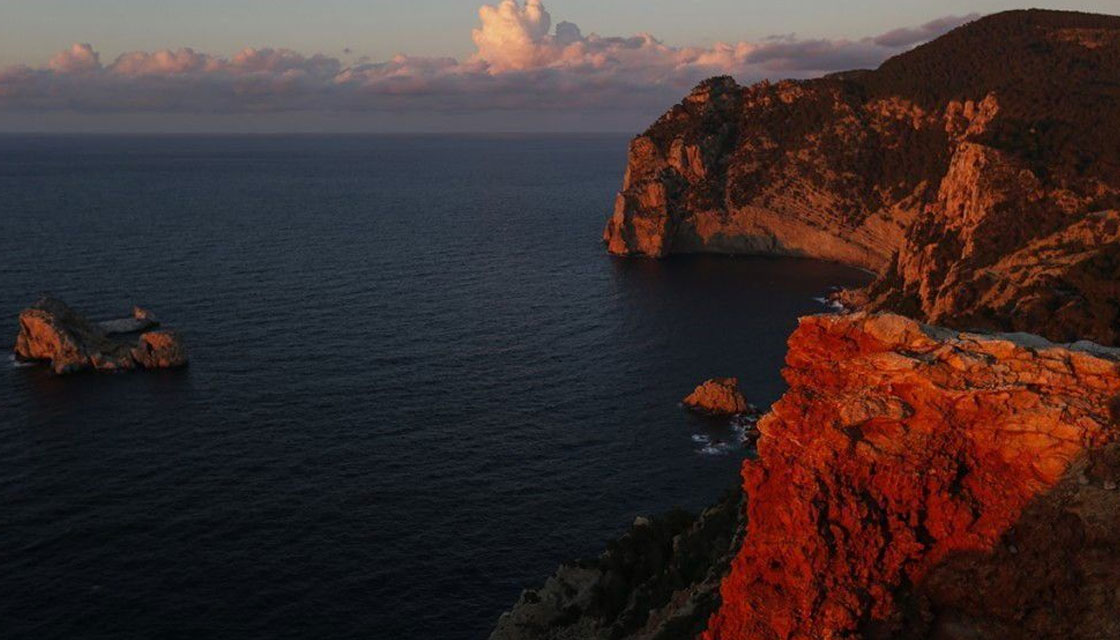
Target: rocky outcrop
<point>718,396</point>
<point>160,350</point>
<point>909,467</point>
<point>978,175</point>
<point>52,332</point>
<point>141,320</point>
<point>660,580</point>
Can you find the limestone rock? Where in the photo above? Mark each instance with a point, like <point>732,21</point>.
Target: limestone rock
<point>902,467</point>
<point>977,175</point>
<point>718,396</point>
<point>52,332</point>
<point>141,320</point>
<point>160,350</point>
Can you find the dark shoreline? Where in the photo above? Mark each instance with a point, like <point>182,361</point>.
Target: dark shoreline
<point>658,581</point>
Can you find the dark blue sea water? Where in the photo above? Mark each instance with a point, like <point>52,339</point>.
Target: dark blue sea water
<point>418,382</point>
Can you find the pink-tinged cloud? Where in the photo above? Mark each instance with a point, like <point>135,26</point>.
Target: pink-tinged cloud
<point>79,58</point>
<point>521,62</point>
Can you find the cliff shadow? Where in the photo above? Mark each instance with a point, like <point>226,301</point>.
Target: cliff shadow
<point>1054,574</point>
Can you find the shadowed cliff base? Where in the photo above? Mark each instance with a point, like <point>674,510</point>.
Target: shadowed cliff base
<point>1052,574</point>
<point>978,175</point>
<point>658,581</point>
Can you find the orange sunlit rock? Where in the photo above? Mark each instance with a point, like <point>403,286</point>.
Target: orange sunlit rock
<point>161,349</point>
<point>900,447</point>
<point>718,396</point>
<point>52,332</point>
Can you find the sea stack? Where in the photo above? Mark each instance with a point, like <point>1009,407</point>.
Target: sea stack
<point>718,397</point>
<point>52,332</point>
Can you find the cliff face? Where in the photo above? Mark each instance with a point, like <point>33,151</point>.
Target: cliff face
<point>916,482</point>
<point>783,169</point>
<point>979,175</point>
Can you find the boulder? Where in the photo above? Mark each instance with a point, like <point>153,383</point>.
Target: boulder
<point>160,350</point>
<point>718,396</point>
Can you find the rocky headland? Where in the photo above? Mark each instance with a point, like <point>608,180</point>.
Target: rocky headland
<point>916,482</point>
<point>978,175</point>
<point>945,462</point>
<point>52,332</point>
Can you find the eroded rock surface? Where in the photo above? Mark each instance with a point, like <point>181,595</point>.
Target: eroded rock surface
<point>905,463</point>
<point>52,332</point>
<point>978,174</point>
<point>160,350</point>
<point>718,396</point>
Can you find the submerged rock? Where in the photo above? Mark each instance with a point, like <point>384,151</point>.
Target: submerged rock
<point>52,332</point>
<point>718,396</point>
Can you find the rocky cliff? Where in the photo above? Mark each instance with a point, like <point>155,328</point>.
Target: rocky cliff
<point>978,175</point>
<point>919,483</point>
<point>915,481</point>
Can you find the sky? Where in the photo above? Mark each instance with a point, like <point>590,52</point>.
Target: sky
<point>427,65</point>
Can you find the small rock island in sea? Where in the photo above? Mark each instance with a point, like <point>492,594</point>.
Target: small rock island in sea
<point>52,332</point>
<point>718,397</point>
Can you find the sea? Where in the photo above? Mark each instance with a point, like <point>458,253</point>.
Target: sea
<point>418,383</point>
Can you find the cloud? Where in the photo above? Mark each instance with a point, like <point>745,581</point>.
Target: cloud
<point>166,62</point>
<point>514,36</point>
<point>928,31</point>
<point>79,58</point>
<point>520,62</point>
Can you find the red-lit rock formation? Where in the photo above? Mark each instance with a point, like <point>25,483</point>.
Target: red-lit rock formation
<point>979,175</point>
<point>52,332</point>
<point>917,482</point>
<point>718,396</point>
<point>898,465</point>
<point>160,350</point>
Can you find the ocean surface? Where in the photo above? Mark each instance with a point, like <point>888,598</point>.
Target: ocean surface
<point>418,382</point>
